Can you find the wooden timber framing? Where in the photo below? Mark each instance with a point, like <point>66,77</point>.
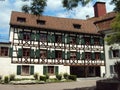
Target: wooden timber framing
<point>80,47</point>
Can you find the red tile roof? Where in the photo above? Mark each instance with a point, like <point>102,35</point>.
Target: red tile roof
<point>90,26</point>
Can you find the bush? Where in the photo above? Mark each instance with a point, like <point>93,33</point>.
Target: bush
<point>12,77</point>
<point>6,79</point>
<point>0,77</point>
<point>59,76</point>
<point>72,77</point>
<point>43,78</point>
<point>65,75</point>
<point>36,76</point>
<point>47,76</point>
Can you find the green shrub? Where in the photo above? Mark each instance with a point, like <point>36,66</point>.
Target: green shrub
<point>0,77</point>
<point>59,76</point>
<point>6,79</point>
<point>36,76</point>
<point>42,78</point>
<point>12,77</point>
<point>47,76</point>
<point>65,75</point>
<point>72,77</point>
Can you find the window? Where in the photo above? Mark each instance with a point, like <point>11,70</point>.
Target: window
<point>112,69</point>
<point>41,22</point>
<point>96,41</point>
<point>58,39</point>
<point>97,56</point>
<point>72,40</point>
<point>58,54</point>
<point>73,55</point>
<point>43,37</point>
<point>21,19</point>
<point>87,55</point>
<point>77,26</point>
<point>115,53</point>
<point>50,69</point>
<point>43,54</point>
<point>26,36</point>
<point>87,40</point>
<point>25,70</point>
<point>26,52</point>
<point>3,51</point>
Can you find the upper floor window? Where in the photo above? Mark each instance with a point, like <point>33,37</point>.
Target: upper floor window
<point>72,40</point>
<point>21,19</point>
<point>43,54</point>
<point>114,53</point>
<point>3,51</point>
<point>58,54</point>
<point>43,37</point>
<point>73,55</point>
<point>26,52</point>
<point>97,56</point>
<point>26,36</point>
<point>87,40</point>
<point>96,41</point>
<point>58,38</point>
<point>41,22</point>
<point>77,26</point>
<point>87,55</point>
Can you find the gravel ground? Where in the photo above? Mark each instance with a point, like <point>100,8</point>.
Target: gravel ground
<point>80,84</point>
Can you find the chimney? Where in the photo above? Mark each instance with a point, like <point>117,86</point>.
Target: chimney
<point>99,9</point>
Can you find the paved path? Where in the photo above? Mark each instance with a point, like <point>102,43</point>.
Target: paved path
<point>53,86</point>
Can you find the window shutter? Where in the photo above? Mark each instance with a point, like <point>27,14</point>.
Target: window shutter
<point>63,55</point>
<point>102,56</point>
<point>78,55</point>
<point>110,54</point>
<point>37,37</point>
<point>63,39</point>
<point>20,36</point>
<point>68,39</point>
<point>32,55</point>
<point>31,70</point>
<point>93,56</point>
<point>49,54</point>
<point>49,38</point>
<point>18,70</point>
<point>53,54</point>
<point>53,38</point>
<point>78,41</point>
<point>92,41</point>
<point>20,53</point>
<point>32,38</point>
<point>10,52</point>
<point>82,41</point>
<point>37,53</point>
<point>101,41</point>
<point>83,55</point>
<point>45,70</point>
<point>68,55</point>
<point>56,70</point>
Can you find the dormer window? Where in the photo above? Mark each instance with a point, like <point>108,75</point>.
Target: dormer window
<point>77,26</point>
<point>41,22</point>
<point>21,19</point>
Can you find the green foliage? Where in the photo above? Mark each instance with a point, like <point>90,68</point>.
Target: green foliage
<point>43,78</point>
<point>6,79</point>
<point>36,76</point>
<point>59,76</point>
<point>65,75</point>
<point>70,4</point>
<point>37,7</point>
<point>117,69</point>
<point>72,77</point>
<point>115,36</point>
<point>47,76</point>
<point>117,5</point>
<point>12,77</point>
<point>0,77</point>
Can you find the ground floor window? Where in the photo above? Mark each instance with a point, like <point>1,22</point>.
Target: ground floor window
<point>51,70</point>
<point>25,70</point>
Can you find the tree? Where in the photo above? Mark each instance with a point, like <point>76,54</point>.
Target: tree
<point>37,6</point>
<point>115,37</point>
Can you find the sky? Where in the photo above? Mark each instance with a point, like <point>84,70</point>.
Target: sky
<point>54,8</point>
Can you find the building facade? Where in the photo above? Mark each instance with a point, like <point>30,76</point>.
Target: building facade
<point>52,45</point>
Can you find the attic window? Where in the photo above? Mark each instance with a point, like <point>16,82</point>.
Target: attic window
<point>77,26</point>
<point>21,19</point>
<point>41,22</point>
